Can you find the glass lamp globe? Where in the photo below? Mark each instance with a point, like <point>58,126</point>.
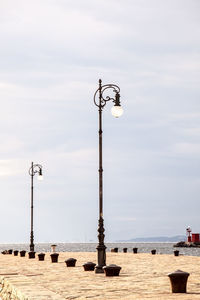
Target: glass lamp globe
<point>117,111</point>
<point>40,177</point>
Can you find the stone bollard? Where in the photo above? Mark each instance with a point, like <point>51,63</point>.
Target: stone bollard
<point>112,270</point>
<point>31,254</point>
<point>178,281</point>
<point>54,257</point>
<point>22,253</point>
<point>70,262</point>
<point>41,256</point>
<point>114,250</point>
<point>176,253</point>
<point>89,266</point>
<point>153,251</point>
<point>15,252</point>
<point>135,250</point>
<point>125,250</point>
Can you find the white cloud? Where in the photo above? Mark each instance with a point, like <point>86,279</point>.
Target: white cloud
<point>124,219</point>
<point>193,132</point>
<point>185,116</point>
<point>11,144</point>
<point>187,148</point>
<point>12,167</point>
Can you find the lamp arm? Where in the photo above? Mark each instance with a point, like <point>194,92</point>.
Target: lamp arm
<point>104,99</point>
<point>35,169</point>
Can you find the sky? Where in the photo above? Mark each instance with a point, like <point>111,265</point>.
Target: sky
<point>52,54</point>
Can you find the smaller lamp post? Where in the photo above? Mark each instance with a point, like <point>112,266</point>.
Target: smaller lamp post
<point>35,168</point>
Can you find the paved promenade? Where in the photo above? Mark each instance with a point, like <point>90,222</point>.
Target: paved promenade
<point>143,276</point>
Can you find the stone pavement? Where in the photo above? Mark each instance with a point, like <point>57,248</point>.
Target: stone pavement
<point>143,276</point>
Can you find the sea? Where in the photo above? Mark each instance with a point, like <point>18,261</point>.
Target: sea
<point>161,248</point>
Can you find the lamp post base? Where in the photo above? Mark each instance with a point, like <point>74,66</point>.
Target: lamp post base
<point>101,253</point>
<point>99,270</point>
<point>101,248</point>
<point>32,247</point>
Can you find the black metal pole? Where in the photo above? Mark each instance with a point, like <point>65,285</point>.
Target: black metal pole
<point>32,236</point>
<point>101,248</point>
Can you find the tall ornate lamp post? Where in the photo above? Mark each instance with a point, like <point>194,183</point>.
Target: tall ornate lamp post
<point>117,111</point>
<point>35,168</point>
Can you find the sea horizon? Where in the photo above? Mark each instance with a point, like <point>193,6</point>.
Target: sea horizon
<point>143,247</point>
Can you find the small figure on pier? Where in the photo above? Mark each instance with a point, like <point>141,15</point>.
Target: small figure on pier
<point>188,231</point>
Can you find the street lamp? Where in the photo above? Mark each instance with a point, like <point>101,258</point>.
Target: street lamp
<point>32,171</point>
<point>116,111</point>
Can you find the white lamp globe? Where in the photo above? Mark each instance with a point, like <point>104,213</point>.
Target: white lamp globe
<point>117,111</point>
<point>40,177</point>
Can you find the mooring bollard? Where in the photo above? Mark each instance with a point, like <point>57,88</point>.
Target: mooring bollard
<point>54,257</point>
<point>114,250</point>
<point>153,251</point>
<point>178,281</point>
<point>176,253</point>
<point>70,262</point>
<point>22,253</point>
<point>89,266</point>
<point>112,270</point>
<point>31,254</point>
<point>15,252</point>
<point>125,250</point>
<point>41,256</point>
<point>135,250</point>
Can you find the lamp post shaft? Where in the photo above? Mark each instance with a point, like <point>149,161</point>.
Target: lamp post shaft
<point>32,236</point>
<point>101,248</point>
<point>100,156</point>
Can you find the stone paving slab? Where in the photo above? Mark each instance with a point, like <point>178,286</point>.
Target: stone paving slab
<point>143,276</point>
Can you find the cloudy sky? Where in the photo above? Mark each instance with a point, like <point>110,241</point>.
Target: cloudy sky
<point>52,54</point>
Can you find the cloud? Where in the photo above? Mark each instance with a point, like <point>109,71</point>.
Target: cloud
<point>125,219</point>
<point>12,167</point>
<point>185,116</point>
<point>52,55</point>
<point>187,148</point>
<point>193,132</point>
<point>11,144</point>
